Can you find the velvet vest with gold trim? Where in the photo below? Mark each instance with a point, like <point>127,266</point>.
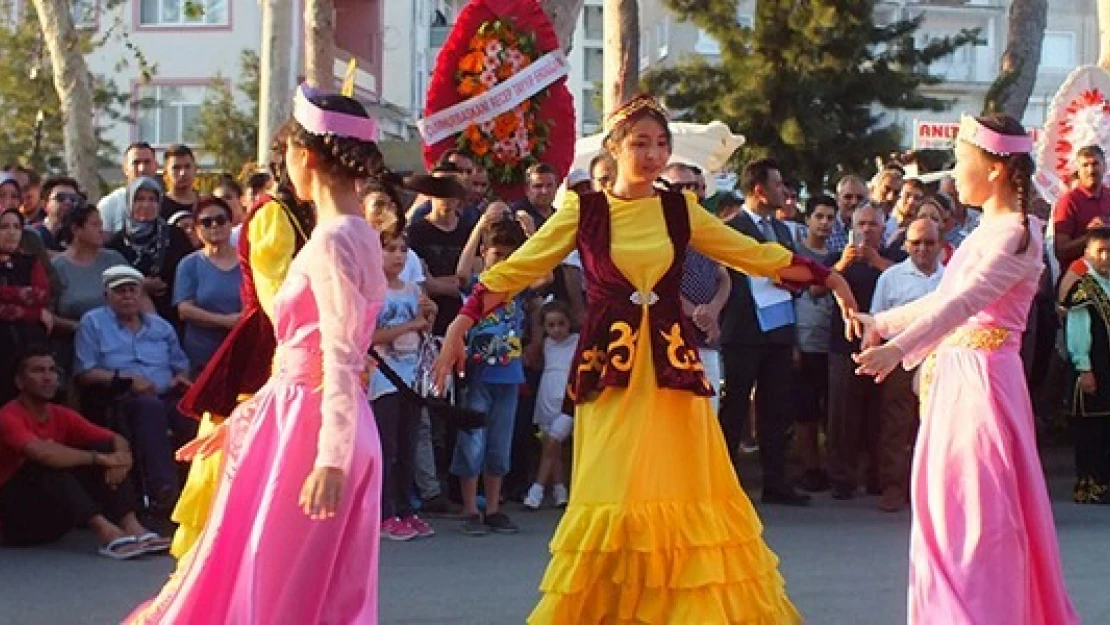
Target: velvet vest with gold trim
<point>614,310</point>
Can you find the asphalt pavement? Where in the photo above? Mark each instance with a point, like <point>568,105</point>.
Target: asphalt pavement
<point>845,564</point>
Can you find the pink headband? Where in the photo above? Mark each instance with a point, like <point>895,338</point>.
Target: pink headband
<point>992,141</point>
<point>320,122</point>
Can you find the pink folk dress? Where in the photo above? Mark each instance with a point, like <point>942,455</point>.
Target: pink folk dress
<point>983,546</point>
<point>261,560</point>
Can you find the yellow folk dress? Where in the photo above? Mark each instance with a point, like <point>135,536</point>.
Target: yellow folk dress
<point>658,529</point>
<point>272,245</point>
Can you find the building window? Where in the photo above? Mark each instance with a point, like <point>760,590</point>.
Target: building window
<point>183,13</point>
<point>1058,50</point>
<point>744,18</point>
<point>590,112</point>
<point>595,64</point>
<point>707,45</point>
<point>592,17</point>
<point>663,36</point>
<point>169,113</point>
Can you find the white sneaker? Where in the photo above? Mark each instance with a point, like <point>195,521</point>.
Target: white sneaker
<point>559,493</point>
<point>535,497</point>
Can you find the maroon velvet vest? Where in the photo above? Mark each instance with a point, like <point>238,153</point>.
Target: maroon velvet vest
<point>614,309</point>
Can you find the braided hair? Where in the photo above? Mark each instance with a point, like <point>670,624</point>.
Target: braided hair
<point>1019,168</point>
<point>345,158</point>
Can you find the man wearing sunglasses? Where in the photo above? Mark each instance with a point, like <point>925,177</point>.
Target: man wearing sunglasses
<point>905,282</point>
<point>61,195</point>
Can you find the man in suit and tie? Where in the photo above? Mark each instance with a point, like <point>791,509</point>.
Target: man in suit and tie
<point>758,337</point>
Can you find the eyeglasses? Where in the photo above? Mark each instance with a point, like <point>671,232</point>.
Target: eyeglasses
<point>213,222</point>
<point>924,242</point>
<point>65,197</point>
<point>853,196</point>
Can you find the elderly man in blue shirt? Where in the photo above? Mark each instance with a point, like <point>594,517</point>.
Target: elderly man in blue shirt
<point>121,347</point>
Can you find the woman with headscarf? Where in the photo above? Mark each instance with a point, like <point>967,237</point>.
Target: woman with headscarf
<point>152,246</point>
<point>25,318</point>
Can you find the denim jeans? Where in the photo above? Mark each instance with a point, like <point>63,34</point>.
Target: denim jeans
<point>487,450</point>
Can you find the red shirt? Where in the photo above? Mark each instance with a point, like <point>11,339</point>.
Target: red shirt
<point>19,428</point>
<point>1077,208</point>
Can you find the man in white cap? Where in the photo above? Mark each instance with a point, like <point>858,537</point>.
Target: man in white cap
<point>578,180</point>
<point>138,354</point>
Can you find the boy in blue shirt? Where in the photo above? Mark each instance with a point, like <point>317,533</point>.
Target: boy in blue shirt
<point>494,374</point>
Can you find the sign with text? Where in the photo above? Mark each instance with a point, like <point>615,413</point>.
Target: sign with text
<point>942,135</point>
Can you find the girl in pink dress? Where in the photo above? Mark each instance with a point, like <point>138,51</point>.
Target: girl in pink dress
<point>293,533</point>
<point>983,545</point>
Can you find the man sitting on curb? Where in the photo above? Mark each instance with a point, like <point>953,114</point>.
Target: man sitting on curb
<point>58,471</point>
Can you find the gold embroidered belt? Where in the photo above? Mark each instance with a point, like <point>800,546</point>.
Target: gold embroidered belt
<point>980,339</point>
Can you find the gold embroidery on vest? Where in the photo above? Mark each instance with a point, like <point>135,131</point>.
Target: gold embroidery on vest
<point>593,359</point>
<point>680,355</point>
<point>626,340</point>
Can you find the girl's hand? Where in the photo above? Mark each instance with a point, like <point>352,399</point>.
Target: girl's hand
<point>849,309</point>
<point>870,336</point>
<point>321,493</point>
<point>452,356</point>
<point>878,362</point>
<point>204,446</point>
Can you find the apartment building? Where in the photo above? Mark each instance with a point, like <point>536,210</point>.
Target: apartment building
<point>191,42</point>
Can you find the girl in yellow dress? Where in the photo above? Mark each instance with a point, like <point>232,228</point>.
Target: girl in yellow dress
<point>658,529</point>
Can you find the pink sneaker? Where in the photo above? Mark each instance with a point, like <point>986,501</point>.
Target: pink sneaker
<point>417,524</point>
<point>396,529</point>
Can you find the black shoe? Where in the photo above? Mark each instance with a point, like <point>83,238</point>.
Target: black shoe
<point>785,497</point>
<point>843,491</point>
<point>814,481</point>
<point>474,526</point>
<point>500,523</point>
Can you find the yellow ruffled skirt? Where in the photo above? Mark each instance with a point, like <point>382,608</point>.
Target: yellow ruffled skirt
<point>658,529</point>
<point>191,512</point>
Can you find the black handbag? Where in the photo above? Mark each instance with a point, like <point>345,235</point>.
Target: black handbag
<point>438,408</point>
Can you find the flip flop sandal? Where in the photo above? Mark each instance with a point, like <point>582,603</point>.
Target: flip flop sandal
<point>153,543</point>
<point>115,549</point>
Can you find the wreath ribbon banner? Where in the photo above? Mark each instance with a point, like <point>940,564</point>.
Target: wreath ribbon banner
<point>500,99</point>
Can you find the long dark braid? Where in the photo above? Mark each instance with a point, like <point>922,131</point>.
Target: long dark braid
<point>1019,167</point>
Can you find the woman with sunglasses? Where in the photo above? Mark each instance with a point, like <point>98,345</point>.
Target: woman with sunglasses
<point>206,291</point>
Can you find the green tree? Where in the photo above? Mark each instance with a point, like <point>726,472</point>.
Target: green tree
<point>226,131</point>
<point>32,130</point>
<point>805,83</point>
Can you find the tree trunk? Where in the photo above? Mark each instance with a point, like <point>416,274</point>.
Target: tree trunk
<point>73,84</point>
<point>1024,35</point>
<point>621,72</point>
<point>564,17</point>
<point>319,44</point>
<point>1104,34</point>
<point>274,88</point>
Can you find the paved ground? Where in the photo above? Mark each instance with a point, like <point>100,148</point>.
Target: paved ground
<point>845,564</point>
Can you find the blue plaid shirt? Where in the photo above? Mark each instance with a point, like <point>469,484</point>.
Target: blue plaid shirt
<point>838,240</point>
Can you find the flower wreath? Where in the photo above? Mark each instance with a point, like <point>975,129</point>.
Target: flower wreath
<point>509,143</point>
<point>492,41</point>
<point>1079,116</point>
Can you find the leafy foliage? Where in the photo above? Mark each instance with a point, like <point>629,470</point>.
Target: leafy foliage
<point>27,95</point>
<point>226,131</point>
<point>804,85</point>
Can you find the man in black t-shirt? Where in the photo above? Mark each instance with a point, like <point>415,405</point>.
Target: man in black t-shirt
<point>181,175</point>
<point>854,400</point>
